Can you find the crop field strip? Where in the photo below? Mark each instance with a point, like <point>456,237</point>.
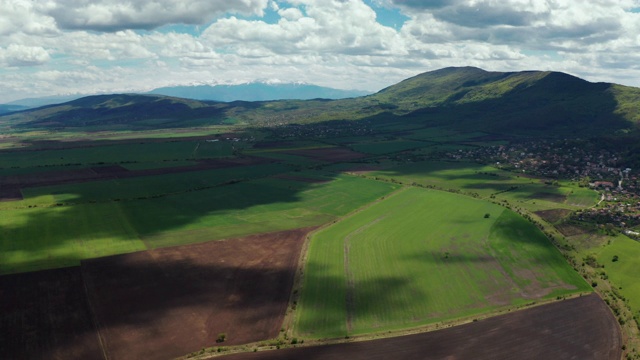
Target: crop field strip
<point>407,261</point>
<point>61,181</point>
<point>118,153</point>
<point>581,328</point>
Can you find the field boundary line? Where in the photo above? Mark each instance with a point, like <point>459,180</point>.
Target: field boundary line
<point>94,317</point>
<point>290,318</point>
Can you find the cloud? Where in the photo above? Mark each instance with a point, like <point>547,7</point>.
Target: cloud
<point>326,26</point>
<point>25,16</point>
<point>114,15</point>
<point>338,43</point>
<point>20,55</point>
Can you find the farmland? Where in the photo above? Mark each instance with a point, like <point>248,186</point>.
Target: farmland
<point>114,152</point>
<point>49,236</point>
<point>151,304</point>
<point>160,233</point>
<point>488,182</point>
<point>580,328</point>
<point>408,260</point>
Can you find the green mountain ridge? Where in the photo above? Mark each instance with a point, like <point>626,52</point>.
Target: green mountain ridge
<point>527,102</point>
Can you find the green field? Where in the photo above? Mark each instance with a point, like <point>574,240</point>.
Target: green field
<point>57,236</point>
<point>144,186</point>
<point>43,238</point>
<point>120,153</point>
<point>623,273</point>
<point>486,181</point>
<point>424,256</point>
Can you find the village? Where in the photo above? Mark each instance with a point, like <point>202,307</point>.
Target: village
<point>579,162</point>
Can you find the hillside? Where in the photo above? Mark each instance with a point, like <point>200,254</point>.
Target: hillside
<point>117,112</point>
<point>529,103</point>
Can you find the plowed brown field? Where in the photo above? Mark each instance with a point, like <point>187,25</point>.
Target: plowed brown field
<point>45,315</point>
<point>581,328</point>
<point>157,304</point>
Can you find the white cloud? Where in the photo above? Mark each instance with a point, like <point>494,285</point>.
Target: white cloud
<point>329,26</point>
<point>25,16</point>
<point>110,15</point>
<point>20,55</point>
<point>338,43</point>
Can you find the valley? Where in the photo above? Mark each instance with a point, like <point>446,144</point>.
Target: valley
<point>451,203</point>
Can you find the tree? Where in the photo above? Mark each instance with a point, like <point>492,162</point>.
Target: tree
<point>487,215</point>
<point>615,258</point>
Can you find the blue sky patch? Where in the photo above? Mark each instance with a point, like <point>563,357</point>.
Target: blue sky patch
<point>388,16</point>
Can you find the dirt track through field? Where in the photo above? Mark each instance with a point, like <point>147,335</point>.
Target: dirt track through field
<point>581,328</point>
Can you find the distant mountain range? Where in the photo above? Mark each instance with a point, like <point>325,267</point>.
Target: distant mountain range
<point>31,103</point>
<point>257,92</point>
<point>529,103</point>
<point>225,93</point>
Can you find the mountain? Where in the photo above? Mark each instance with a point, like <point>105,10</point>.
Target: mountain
<point>118,112</point>
<point>528,103</point>
<point>257,92</point>
<point>42,101</point>
<point>7,108</point>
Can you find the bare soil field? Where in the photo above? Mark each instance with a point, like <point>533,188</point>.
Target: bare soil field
<point>580,328</point>
<point>553,215</point>
<point>168,302</point>
<point>363,169</point>
<point>10,193</point>
<point>273,144</point>
<point>559,198</point>
<point>571,230</point>
<point>333,154</point>
<point>45,315</point>
<point>109,169</point>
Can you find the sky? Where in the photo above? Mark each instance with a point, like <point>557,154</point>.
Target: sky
<point>55,47</point>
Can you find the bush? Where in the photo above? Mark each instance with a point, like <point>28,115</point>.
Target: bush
<point>221,337</point>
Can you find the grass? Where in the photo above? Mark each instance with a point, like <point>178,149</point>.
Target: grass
<point>56,236</point>
<point>486,181</point>
<point>145,186</point>
<point>623,273</point>
<point>424,256</point>
<point>122,153</point>
<point>252,207</point>
<point>43,238</point>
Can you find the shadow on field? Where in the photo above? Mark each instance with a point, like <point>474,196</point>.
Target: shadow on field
<point>156,304</point>
<point>337,306</point>
<point>168,302</point>
<point>81,227</point>
<point>468,181</point>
